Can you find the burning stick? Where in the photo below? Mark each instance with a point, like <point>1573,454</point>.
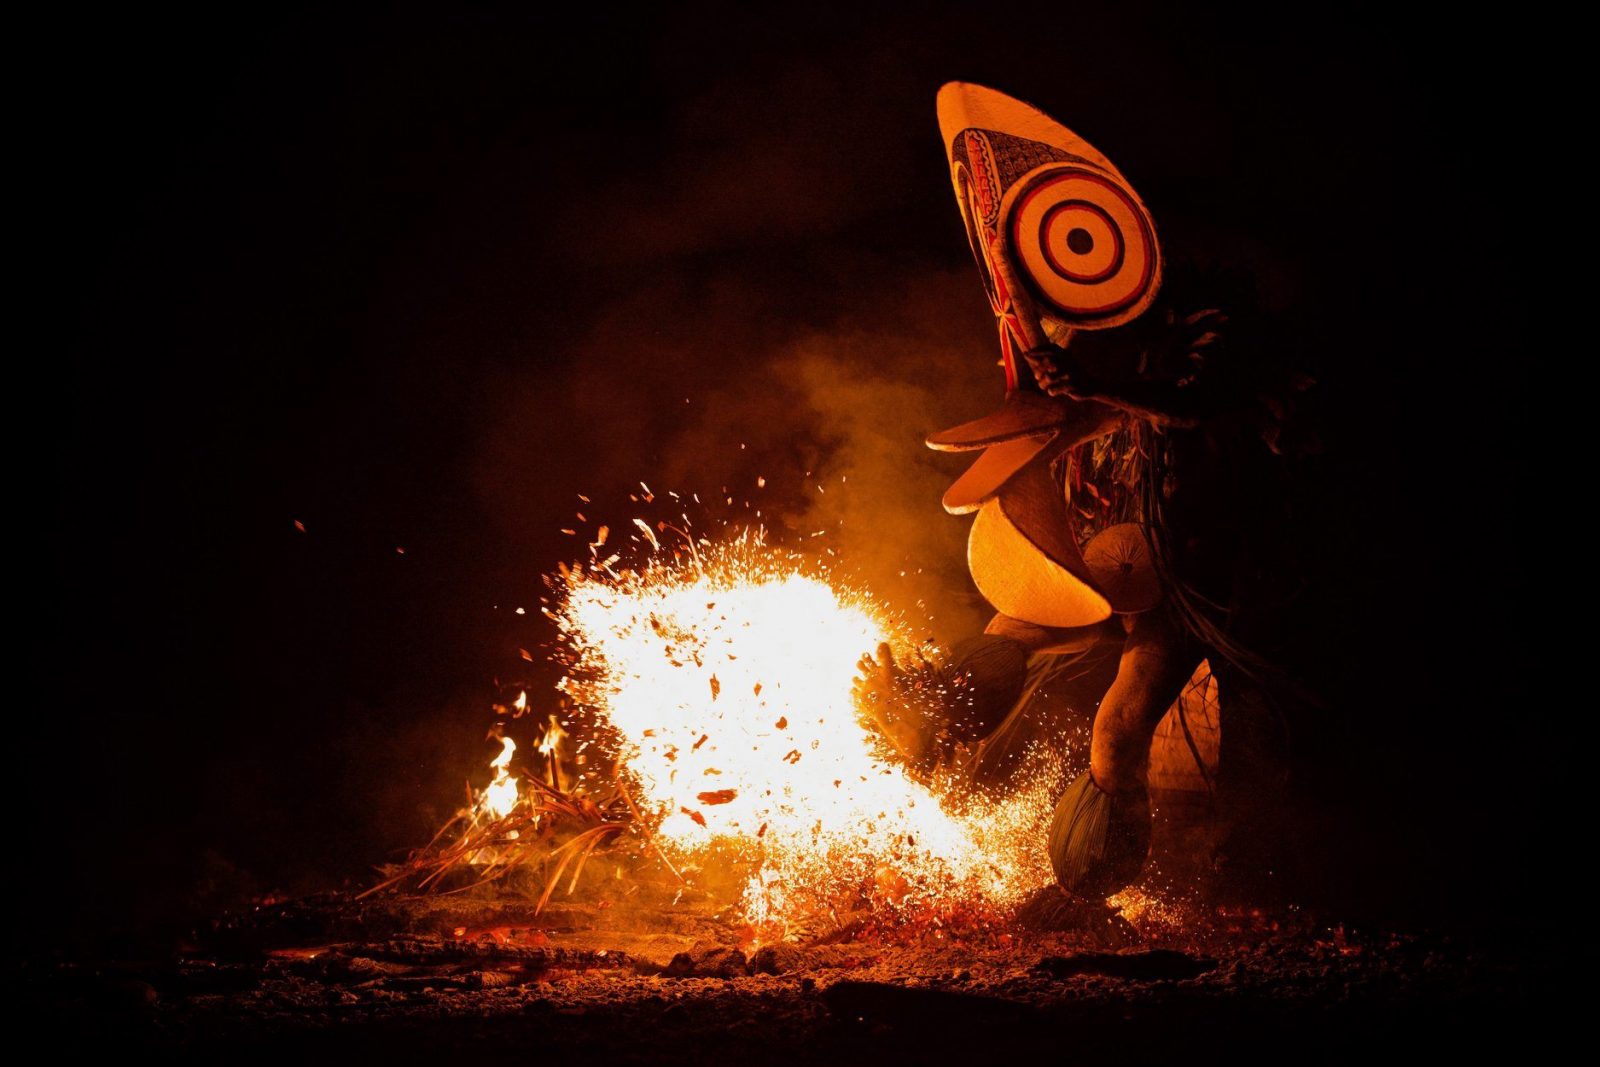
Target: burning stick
<point>550,748</point>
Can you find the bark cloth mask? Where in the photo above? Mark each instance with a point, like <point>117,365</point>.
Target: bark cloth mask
<point>1062,243</point>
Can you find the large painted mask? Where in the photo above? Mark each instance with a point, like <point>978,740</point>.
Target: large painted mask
<point>1062,243</point>
<point>1061,239</point>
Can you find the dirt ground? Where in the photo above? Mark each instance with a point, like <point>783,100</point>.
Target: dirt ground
<point>405,979</point>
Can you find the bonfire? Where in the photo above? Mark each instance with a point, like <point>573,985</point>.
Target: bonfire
<point>723,744</point>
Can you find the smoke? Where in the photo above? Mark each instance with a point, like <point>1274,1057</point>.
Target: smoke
<point>873,399</point>
<point>736,330</point>
<point>817,436</point>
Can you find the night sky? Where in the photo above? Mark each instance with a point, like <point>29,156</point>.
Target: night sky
<point>416,280</point>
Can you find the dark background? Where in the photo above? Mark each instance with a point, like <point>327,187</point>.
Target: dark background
<point>417,279</point>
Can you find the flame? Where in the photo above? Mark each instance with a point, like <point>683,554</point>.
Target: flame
<point>550,749</point>
<point>550,744</point>
<point>729,675</point>
<point>500,796</point>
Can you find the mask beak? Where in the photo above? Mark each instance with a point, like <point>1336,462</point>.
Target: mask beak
<point>1029,429</point>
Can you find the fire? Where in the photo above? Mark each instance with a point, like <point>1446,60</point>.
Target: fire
<point>500,796</point>
<point>729,676</point>
<point>550,749</point>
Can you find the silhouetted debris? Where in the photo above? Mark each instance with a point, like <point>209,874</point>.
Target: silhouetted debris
<point>777,959</point>
<point>714,962</point>
<point>437,974</point>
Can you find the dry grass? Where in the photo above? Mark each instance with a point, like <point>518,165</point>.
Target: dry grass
<point>550,829</point>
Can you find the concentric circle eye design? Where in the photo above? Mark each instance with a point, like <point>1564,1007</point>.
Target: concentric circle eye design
<point>1083,245</point>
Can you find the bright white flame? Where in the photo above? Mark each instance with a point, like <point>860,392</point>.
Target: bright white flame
<point>500,796</point>
<point>553,736</point>
<point>731,682</point>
